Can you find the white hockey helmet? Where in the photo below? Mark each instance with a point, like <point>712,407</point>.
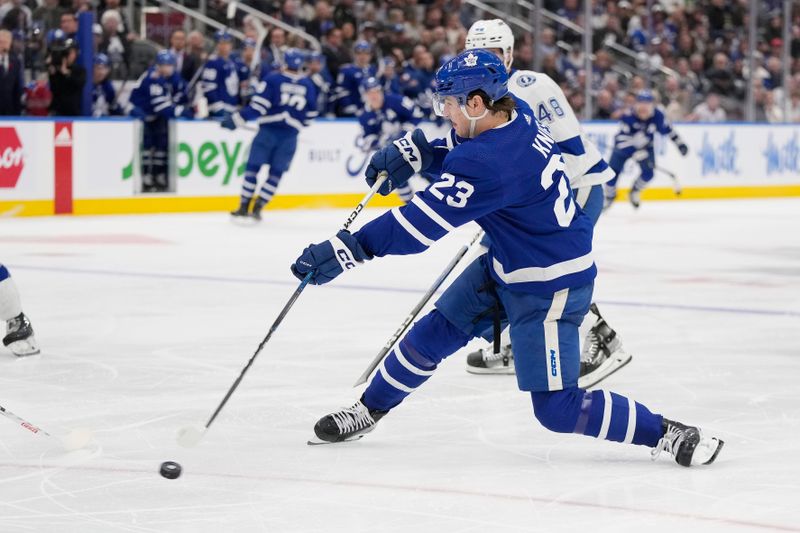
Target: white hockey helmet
<point>492,33</point>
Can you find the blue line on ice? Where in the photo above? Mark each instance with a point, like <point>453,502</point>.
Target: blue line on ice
<point>378,288</point>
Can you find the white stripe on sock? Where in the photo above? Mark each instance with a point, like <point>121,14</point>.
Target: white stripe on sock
<point>606,416</point>
<point>391,381</point>
<point>631,422</point>
<point>401,357</point>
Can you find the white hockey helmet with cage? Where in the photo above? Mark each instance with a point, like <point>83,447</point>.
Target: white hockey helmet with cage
<point>493,33</point>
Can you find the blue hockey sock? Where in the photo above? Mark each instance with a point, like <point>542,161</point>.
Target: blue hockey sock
<point>601,414</point>
<point>413,361</point>
<point>268,189</point>
<point>607,415</point>
<point>4,273</point>
<point>249,185</point>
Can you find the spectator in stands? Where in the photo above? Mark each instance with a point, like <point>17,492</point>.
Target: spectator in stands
<point>708,111</point>
<point>16,16</point>
<point>69,25</point>
<point>547,43</point>
<point>774,74</point>
<point>48,14</point>
<point>772,110</point>
<point>335,54</point>
<point>344,13</point>
<point>38,97</point>
<point>606,108</point>
<point>272,55</point>
<point>177,45</point>
<point>720,75</point>
<point>196,55</point>
<point>115,44</point>
<point>323,18</point>
<point>125,27</point>
<point>67,79</point>
<point>10,78</point>
<point>675,100</point>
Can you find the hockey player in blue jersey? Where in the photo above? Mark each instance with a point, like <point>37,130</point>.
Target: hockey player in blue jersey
<point>346,99</point>
<point>220,78</point>
<point>602,353</point>
<point>160,95</point>
<point>284,103</point>
<point>537,275</point>
<point>384,118</point>
<point>104,97</point>
<point>635,141</point>
<point>19,332</point>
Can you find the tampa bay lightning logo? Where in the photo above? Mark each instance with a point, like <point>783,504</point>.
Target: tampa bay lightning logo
<point>471,60</point>
<point>526,80</point>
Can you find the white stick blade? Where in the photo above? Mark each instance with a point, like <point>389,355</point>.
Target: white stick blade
<point>189,436</point>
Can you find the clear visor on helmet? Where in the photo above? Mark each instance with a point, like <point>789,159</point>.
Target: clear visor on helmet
<point>447,103</point>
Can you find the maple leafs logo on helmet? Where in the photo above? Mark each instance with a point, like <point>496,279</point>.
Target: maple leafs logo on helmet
<point>471,60</point>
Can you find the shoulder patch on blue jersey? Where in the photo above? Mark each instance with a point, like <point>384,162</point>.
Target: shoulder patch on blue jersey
<point>526,80</point>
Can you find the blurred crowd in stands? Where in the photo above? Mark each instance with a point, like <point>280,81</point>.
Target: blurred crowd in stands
<point>693,54</point>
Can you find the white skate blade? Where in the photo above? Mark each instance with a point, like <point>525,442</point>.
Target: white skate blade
<point>316,441</point>
<point>498,370</point>
<point>25,347</point>
<point>617,360</point>
<point>247,221</point>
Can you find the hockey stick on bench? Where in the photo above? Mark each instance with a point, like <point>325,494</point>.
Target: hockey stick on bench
<point>417,308</point>
<point>190,436</point>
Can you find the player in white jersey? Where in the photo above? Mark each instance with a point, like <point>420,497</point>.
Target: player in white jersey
<point>19,333</point>
<point>587,171</point>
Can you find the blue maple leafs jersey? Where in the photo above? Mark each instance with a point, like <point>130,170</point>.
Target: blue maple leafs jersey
<point>104,100</point>
<point>156,96</point>
<point>511,181</point>
<point>638,134</point>
<point>220,85</point>
<point>397,115</point>
<point>283,100</point>
<point>347,95</point>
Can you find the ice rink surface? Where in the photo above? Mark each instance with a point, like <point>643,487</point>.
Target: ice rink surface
<point>145,321</point>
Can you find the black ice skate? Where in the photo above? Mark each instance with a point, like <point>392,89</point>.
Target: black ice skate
<point>485,361</point>
<point>257,207</point>
<point>602,353</point>
<point>19,337</point>
<point>243,209</point>
<point>687,444</point>
<point>350,423</point>
<point>635,197</point>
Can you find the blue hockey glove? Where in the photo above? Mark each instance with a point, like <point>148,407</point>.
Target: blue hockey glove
<point>227,122</point>
<point>683,148</point>
<point>401,160</point>
<point>184,112</point>
<point>330,258</point>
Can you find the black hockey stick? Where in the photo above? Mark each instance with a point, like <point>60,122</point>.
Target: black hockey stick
<point>417,308</point>
<point>189,436</point>
<point>676,185</point>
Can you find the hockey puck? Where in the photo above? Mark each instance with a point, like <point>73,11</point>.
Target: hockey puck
<point>170,470</point>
